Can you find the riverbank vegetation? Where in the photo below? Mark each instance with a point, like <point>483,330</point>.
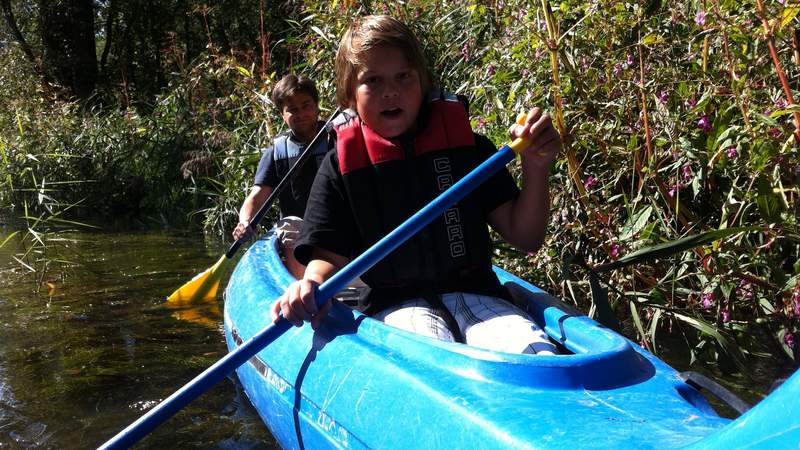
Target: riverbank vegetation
<point>678,118</point>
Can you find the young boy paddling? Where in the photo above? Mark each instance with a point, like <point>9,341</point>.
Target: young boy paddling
<point>407,145</point>
<point>297,99</point>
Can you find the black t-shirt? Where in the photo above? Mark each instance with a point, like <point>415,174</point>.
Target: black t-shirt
<point>329,223</point>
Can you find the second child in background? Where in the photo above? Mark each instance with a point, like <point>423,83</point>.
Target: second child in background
<point>298,101</point>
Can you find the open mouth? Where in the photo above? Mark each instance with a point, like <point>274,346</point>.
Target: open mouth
<point>391,113</point>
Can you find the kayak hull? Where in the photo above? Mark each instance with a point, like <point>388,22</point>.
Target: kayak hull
<point>357,383</point>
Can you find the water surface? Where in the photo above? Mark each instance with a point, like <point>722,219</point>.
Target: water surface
<point>96,347</point>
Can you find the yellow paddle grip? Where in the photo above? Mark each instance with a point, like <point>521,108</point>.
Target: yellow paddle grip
<point>520,144</point>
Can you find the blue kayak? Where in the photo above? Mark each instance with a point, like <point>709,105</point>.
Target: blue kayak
<point>357,383</point>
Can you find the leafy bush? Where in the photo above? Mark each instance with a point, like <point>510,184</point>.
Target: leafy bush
<point>675,122</point>
<point>676,119</point>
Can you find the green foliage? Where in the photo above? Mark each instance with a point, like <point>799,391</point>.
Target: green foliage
<point>675,122</point>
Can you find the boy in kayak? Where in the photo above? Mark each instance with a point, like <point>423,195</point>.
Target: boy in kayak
<point>407,144</point>
<point>298,100</point>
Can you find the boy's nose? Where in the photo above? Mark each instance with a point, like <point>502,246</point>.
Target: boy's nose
<point>391,90</point>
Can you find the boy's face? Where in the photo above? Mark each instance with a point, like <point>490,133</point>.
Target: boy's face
<point>300,112</point>
<point>388,92</point>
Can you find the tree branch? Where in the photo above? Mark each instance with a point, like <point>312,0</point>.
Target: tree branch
<point>8,14</point>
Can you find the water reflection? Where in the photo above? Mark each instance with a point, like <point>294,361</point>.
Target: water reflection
<point>84,351</point>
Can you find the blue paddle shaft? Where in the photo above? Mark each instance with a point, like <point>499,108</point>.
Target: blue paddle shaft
<point>413,224</point>
<point>211,376</point>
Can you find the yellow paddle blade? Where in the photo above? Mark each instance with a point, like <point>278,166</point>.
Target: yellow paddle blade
<point>203,287</point>
<point>207,315</point>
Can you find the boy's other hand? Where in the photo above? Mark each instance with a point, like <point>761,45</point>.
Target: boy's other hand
<point>545,142</point>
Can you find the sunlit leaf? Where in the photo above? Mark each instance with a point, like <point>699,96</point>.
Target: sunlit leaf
<point>635,223</point>
<point>637,321</point>
<point>673,247</point>
<point>652,38</point>
<point>8,238</point>
<point>768,203</point>
<point>243,71</point>
<point>789,13</point>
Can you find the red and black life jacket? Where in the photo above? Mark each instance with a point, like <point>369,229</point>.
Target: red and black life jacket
<point>386,182</point>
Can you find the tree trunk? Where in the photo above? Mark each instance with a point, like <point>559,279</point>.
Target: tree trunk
<point>8,14</point>
<point>67,29</point>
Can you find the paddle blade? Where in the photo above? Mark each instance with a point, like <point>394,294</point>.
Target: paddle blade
<point>207,315</point>
<point>203,287</point>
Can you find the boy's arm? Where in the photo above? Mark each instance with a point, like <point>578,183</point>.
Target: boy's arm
<point>257,196</point>
<point>523,221</point>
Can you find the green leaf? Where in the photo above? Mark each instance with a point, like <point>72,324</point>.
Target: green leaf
<point>789,14</point>
<point>243,71</point>
<point>657,297</point>
<point>317,30</point>
<point>652,38</point>
<point>8,238</point>
<point>654,321</point>
<point>637,321</point>
<point>768,202</point>
<point>673,247</point>
<point>635,223</point>
<point>723,342</point>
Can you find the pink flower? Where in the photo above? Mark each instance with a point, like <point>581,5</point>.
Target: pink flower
<point>708,300</point>
<point>775,132</point>
<point>780,103</point>
<point>491,70</point>
<point>731,152</point>
<point>726,315</point>
<point>691,103</point>
<point>700,18</point>
<point>687,172</point>
<point>480,123</point>
<point>673,191</point>
<point>663,96</point>
<point>465,51</point>
<point>614,250</point>
<point>704,123</point>
<point>745,290</point>
<point>788,339</point>
<point>590,181</point>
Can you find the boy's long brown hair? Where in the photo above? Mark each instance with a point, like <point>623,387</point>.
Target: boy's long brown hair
<point>369,32</point>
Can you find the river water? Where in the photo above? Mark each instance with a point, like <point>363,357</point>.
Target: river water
<point>96,347</point>
<point>88,348</point>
